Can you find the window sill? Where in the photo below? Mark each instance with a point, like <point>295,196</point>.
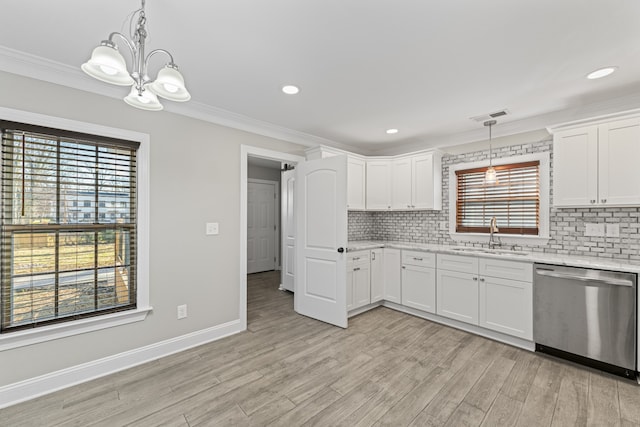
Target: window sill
<point>506,239</point>
<point>61,330</point>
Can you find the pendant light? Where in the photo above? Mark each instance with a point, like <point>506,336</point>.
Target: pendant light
<point>108,65</point>
<point>490,176</point>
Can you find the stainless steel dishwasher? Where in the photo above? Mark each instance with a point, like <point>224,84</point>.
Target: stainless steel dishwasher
<point>588,316</point>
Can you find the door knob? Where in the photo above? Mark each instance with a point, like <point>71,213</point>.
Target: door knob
<point>340,250</point>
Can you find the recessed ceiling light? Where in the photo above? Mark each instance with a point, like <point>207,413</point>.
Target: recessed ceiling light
<point>392,131</point>
<point>602,72</point>
<point>290,89</point>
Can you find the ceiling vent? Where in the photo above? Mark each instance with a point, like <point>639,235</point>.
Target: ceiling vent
<point>490,116</point>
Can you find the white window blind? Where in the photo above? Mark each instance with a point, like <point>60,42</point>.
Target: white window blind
<point>68,239</point>
<point>514,200</point>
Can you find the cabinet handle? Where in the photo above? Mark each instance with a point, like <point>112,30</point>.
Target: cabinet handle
<point>482,279</point>
<point>417,259</point>
<point>373,256</point>
<point>355,258</point>
<point>388,207</point>
<point>475,279</point>
<point>408,206</point>
<point>403,267</point>
<point>413,206</point>
<point>593,201</point>
<point>603,200</point>
<point>356,269</point>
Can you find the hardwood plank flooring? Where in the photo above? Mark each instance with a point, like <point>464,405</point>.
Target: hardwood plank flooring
<point>386,369</point>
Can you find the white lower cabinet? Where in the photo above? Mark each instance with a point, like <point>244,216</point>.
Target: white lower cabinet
<point>392,276</point>
<point>419,280</point>
<point>458,296</point>
<point>358,280</point>
<point>506,305</point>
<point>377,275</point>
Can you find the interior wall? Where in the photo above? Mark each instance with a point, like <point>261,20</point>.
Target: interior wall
<point>195,178</point>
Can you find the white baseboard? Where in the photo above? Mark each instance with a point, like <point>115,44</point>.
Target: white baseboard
<point>54,381</point>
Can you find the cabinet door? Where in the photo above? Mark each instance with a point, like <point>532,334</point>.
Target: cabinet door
<point>401,183</point>
<point>458,296</point>
<point>377,275</point>
<point>423,186</point>
<point>392,276</point>
<point>355,183</point>
<point>361,285</point>
<point>419,288</point>
<point>618,157</point>
<point>507,306</point>
<point>575,167</point>
<point>349,286</point>
<point>378,184</point>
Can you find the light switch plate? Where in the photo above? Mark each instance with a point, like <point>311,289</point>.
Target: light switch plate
<point>613,230</point>
<point>212,228</point>
<point>182,311</point>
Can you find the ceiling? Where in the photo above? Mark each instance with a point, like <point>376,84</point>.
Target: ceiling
<point>422,66</point>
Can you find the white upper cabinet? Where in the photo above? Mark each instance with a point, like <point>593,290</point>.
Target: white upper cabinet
<point>355,183</point>
<point>597,165</point>
<point>416,182</point>
<point>378,184</point>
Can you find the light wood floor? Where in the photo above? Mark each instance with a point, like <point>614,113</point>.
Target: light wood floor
<point>387,368</point>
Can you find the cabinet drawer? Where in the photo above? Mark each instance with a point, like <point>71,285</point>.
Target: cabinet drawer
<point>359,257</point>
<point>420,259</point>
<point>459,263</point>
<point>514,270</point>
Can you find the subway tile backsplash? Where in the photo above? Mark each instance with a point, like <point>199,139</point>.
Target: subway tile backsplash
<point>566,227</point>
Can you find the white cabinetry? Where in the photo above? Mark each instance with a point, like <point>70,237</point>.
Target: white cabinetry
<point>378,184</point>
<point>358,280</point>
<point>597,165</point>
<point>506,297</point>
<point>492,293</point>
<point>355,183</point>
<point>377,275</point>
<point>392,275</point>
<point>457,287</point>
<point>416,182</point>
<point>419,280</point>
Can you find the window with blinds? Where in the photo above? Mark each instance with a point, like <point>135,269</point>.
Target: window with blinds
<point>68,237</point>
<point>514,200</point>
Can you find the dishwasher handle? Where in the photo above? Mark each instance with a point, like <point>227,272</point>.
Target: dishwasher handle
<point>582,278</point>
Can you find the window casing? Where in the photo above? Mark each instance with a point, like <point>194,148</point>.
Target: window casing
<point>57,265</point>
<point>514,200</point>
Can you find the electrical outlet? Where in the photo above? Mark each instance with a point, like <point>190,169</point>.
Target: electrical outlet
<point>613,230</point>
<point>182,311</point>
<point>212,228</point>
<point>593,230</point>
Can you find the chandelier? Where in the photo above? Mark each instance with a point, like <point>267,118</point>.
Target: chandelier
<point>108,65</point>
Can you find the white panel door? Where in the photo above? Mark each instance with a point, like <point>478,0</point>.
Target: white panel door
<point>401,183</point>
<point>392,275</point>
<point>377,275</point>
<point>321,239</point>
<point>457,296</point>
<point>619,153</point>
<point>378,184</point>
<point>507,306</point>
<point>575,167</point>
<point>261,227</point>
<point>288,230</point>
<point>419,288</point>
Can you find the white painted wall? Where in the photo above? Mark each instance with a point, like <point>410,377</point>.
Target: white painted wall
<point>195,167</point>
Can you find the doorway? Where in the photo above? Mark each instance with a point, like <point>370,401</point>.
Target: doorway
<point>253,154</point>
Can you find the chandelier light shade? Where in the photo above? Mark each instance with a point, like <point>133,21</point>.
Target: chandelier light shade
<point>108,65</point>
<point>490,176</point>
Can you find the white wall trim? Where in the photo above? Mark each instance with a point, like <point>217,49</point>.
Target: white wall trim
<point>18,339</point>
<point>245,151</point>
<point>54,381</point>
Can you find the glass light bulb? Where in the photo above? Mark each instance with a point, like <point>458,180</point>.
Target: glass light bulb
<point>170,88</point>
<point>108,70</point>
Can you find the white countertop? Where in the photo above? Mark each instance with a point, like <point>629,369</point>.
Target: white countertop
<point>556,259</point>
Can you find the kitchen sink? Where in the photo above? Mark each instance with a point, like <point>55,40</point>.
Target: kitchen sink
<point>488,251</point>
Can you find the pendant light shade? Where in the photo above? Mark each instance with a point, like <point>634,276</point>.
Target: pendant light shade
<point>170,85</point>
<point>107,65</point>
<point>490,176</point>
<point>146,100</point>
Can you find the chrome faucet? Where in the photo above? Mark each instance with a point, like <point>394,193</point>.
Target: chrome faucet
<point>493,228</point>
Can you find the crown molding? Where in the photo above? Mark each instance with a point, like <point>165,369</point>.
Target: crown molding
<point>35,67</point>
